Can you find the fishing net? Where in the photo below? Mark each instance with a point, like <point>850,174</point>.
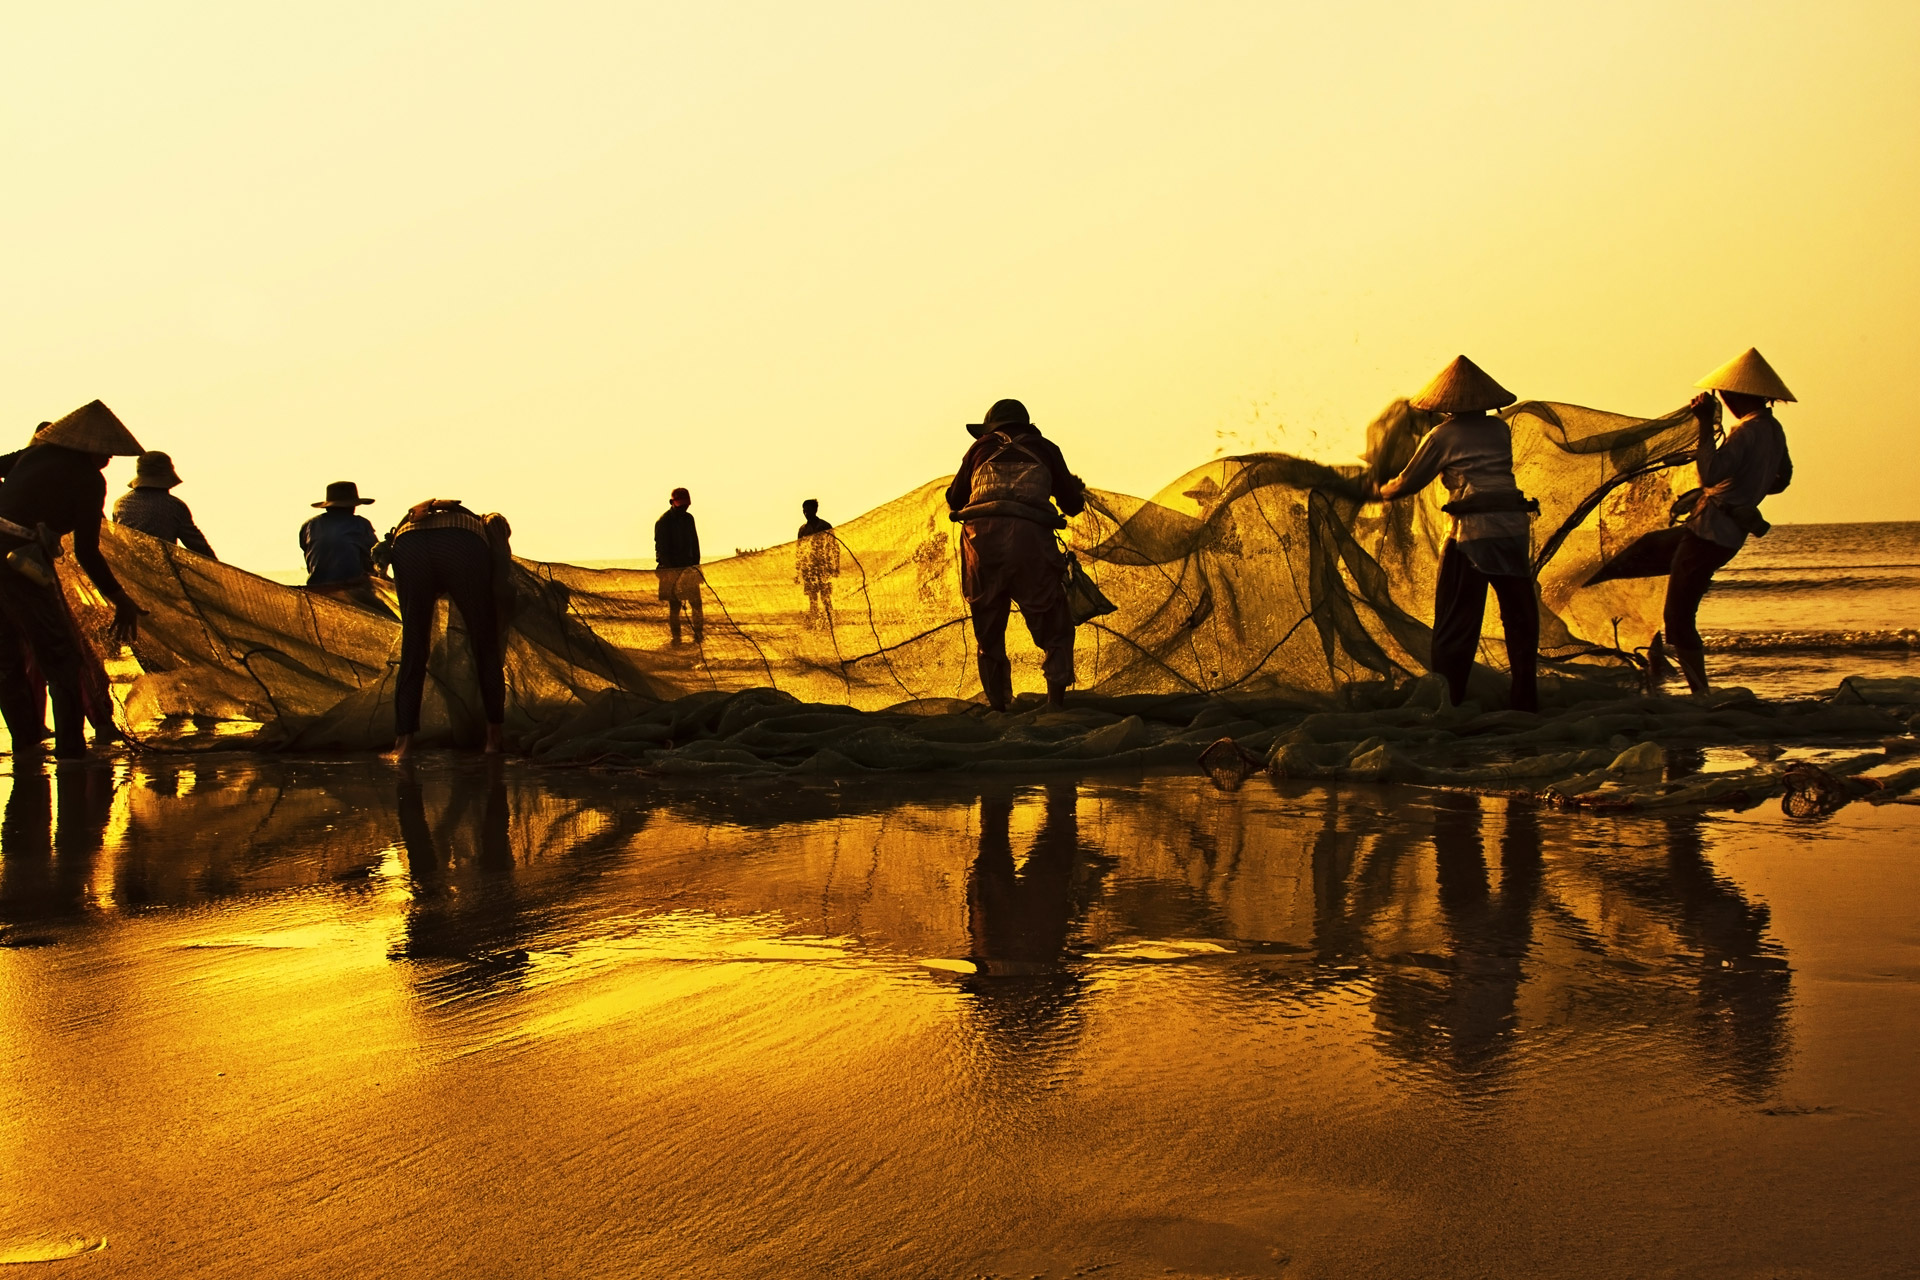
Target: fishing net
<point>1260,574</point>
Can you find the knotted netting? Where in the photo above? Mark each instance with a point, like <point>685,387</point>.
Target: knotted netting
<point>1258,573</point>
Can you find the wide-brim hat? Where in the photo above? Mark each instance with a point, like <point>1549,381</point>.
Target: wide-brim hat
<point>1463,387</point>
<point>92,428</point>
<point>344,493</point>
<point>1004,413</point>
<point>1749,374</point>
<point>154,470</point>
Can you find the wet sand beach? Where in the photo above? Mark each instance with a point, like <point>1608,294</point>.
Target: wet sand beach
<point>272,1017</point>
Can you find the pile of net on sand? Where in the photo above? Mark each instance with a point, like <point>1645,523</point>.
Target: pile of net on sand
<point>1262,575</point>
<point>1594,750</point>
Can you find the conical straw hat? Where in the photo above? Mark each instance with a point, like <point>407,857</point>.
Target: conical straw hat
<point>1463,387</point>
<point>92,428</point>
<point>1750,374</point>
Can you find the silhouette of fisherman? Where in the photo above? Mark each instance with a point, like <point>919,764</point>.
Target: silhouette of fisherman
<point>1736,475</point>
<point>53,487</point>
<point>443,549</point>
<point>150,506</point>
<point>676,556</point>
<point>1004,496</point>
<point>1468,1010</point>
<point>1019,920</point>
<point>481,928</point>
<point>338,544</point>
<point>816,563</point>
<point>1471,452</point>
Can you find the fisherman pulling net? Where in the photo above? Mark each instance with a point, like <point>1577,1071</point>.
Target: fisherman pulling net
<point>1260,573</point>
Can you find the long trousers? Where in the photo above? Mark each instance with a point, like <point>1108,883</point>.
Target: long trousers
<point>1694,563</point>
<point>429,564</point>
<point>1459,607</point>
<point>1006,561</point>
<point>34,623</point>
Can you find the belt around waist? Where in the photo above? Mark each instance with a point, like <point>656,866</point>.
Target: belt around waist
<point>1017,510</point>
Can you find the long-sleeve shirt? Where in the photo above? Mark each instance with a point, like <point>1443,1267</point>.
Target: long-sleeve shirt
<point>65,490</point>
<point>676,540</point>
<point>816,554</point>
<point>1740,471</point>
<point>161,515</point>
<point>339,547</point>
<point>1470,456</point>
<point>1068,492</point>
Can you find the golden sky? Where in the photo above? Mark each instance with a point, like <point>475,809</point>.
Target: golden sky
<point>555,259</point>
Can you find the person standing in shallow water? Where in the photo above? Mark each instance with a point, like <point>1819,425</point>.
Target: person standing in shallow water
<point>150,506</point>
<point>676,557</point>
<point>443,549</point>
<point>816,563</point>
<point>338,545</point>
<point>1471,452</point>
<point>1004,496</point>
<point>1736,475</point>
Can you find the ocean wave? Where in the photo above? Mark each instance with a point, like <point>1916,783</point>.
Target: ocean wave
<point>1800,641</point>
<point>1732,585</point>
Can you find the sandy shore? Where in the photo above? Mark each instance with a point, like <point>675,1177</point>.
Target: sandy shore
<point>292,1019</point>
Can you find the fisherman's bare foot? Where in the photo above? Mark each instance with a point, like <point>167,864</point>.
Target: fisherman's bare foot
<point>496,739</point>
<point>402,748</point>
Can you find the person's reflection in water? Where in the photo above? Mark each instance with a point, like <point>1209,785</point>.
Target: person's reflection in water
<point>479,927</point>
<point>46,867</point>
<point>1465,1017</point>
<point>1018,921</point>
<point>1744,982</point>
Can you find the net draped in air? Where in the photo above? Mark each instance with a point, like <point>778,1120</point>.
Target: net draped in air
<point>1252,574</point>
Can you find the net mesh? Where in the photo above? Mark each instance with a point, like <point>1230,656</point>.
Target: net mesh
<point>1255,573</point>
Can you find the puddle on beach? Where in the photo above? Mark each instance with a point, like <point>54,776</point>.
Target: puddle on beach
<point>284,1018</point>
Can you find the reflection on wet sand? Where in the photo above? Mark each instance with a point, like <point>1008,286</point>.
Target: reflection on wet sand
<point>1467,921</point>
<point>902,1028</point>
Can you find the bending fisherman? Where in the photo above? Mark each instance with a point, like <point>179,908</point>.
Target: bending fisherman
<point>1471,451</point>
<point>1736,474</point>
<point>443,549</point>
<point>55,487</point>
<point>1004,496</point>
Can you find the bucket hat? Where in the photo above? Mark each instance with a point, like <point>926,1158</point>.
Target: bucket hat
<point>91,428</point>
<point>1004,413</point>
<point>344,493</point>
<point>154,470</point>
<point>1463,387</point>
<point>1750,374</point>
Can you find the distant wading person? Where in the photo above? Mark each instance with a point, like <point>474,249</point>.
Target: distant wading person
<point>51,488</point>
<point>338,544</point>
<point>1736,475</point>
<point>1003,496</point>
<point>443,549</point>
<point>676,557</point>
<point>149,506</point>
<point>816,563</point>
<point>1471,451</point>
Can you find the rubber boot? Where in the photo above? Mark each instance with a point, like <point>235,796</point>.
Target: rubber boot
<point>1693,665</point>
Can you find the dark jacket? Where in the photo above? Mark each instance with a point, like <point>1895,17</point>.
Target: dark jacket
<point>1067,489</point>
<point>676,540</point>
<point>63,489</point>
<point>339,547</point>
<point>159,514</point>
